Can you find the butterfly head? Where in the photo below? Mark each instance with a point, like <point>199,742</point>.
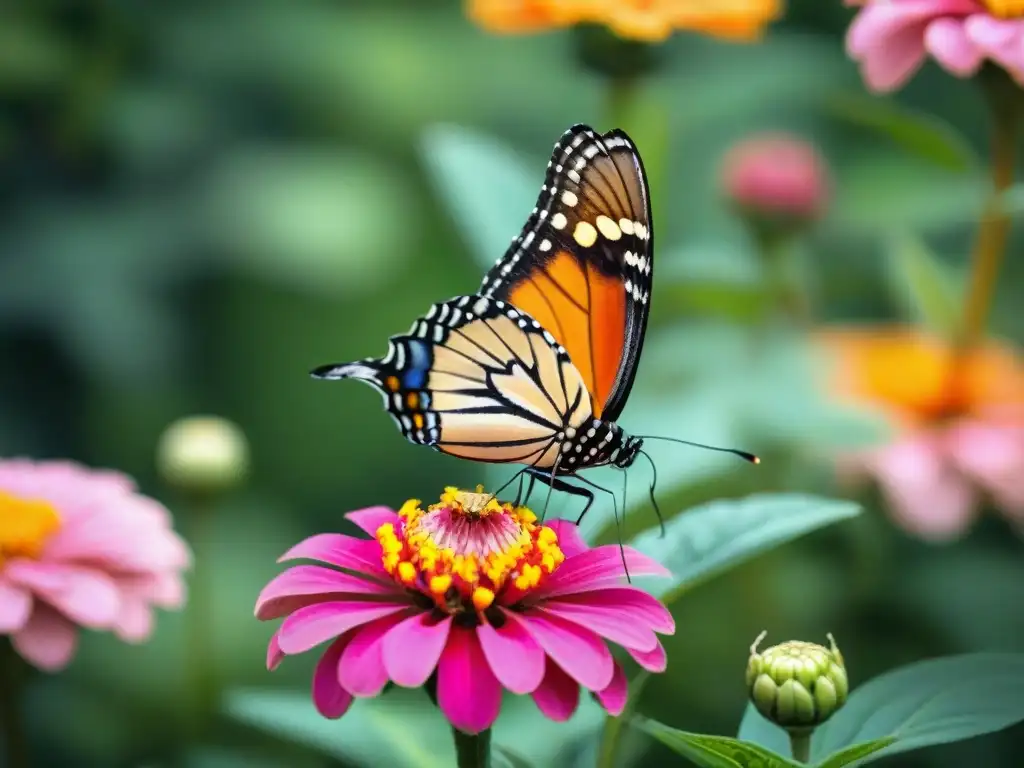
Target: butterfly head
<point>628,452</point>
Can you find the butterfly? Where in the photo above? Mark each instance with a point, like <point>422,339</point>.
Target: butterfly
<point>536,367</point>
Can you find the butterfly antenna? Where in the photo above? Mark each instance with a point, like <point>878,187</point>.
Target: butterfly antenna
<point>746,455</point>
<point>654,483</point>
<point>625,502</point>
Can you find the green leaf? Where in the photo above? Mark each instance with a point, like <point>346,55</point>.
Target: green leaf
<point>757,729</point>
<point>924,135</point>
<point>855,754</point>
<point>923,283</point>
<point>715,536</point>
<point>612,733</point>
<point>713,751</point>
<point>503,757</point>
<point>485,185</point>
<point>930,702</point>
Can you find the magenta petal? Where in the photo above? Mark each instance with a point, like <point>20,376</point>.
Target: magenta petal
<point>330,699</point>
<point>412,648</point>
<point>515,657</point>
<point>303,585</point>
<point>613,698</point>
<point>598,568</point>
<point>578,651</point>
<point>361,555</point>
<point>947,41</point>
<point>611,625</point>
<point>315,624</point>
<point>361,670</point>
<point>569,539</point>
<point>558,695</point>
<point>652,661</point>
<point>638,605</point>
<point>372,518</point>
<point>15,607</point>
<point>467,691</point>
<point>274,653</point>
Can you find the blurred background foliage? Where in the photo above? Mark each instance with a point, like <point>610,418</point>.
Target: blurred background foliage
<point>203,200</point>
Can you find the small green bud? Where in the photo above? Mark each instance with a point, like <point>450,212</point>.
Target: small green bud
<point>797,685</point>
<point>203,455</point>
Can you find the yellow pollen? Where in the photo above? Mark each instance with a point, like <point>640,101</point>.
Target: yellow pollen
<point>25,525</point>
<point>467,550</point>
<point>1005,9</point>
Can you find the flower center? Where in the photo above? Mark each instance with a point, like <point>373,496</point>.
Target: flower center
<point>466,549</point>
<point>1005,9</point>
<point>25,525</point>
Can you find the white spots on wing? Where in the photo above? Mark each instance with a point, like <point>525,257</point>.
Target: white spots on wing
<point>585,234</point>
<point>570,432</point>
<point>608,228</point>
<point>438,334</point>
<point>558,221</point>
<point>641,231</point>
<point>545,245</point>
<point>626,225</point>
<point>569,198</point>
<point>574,175</point>
<point>481,306</point>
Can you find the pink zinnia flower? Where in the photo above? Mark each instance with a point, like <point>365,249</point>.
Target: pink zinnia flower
<point>890,38</point>
<point>473,589</point>
<point>80,548</point>
<point>958,420</point>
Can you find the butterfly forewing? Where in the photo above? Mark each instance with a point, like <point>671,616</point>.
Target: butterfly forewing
<point>479,379</point>
<point>582,264</point>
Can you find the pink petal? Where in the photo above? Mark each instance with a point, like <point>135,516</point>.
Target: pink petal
<point>48,640</point>
<point>372,518</point>
<point>925,497</point>
<point>329,698</point>
<point>613,698</point>
<point>274,653</point>
<point>86,596</point>
<point>412,648</point>
<point>15,607</point>
<point>515,657</point>
<point>362,555</point>
<point>581,653</point>
<point>1001,39</point>
<point>315,624</point>
<point>303,585</point>
<point>947,41</point>
<point>467,691</point>
<point>652,661</point>
<point>558,695</point>
<point>361,670</point>
<point>134,623</point>
<point>569,539</point>
<point>616,627</point>
<point>620,602</point>
<point>994,456</point>
<point>596,569</point>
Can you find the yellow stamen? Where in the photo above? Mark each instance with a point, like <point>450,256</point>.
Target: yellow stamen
<point>440,584</point>
<point>25,525</point>
<point>1005,9</point>
<point>406,572</point>
<point>482,598</point>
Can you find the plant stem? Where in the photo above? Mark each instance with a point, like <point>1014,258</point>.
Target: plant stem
<point>203,703</point>
<point>800,742</point>
<point>994,227</point>
<point>12,727</point>
<point>472,750</point>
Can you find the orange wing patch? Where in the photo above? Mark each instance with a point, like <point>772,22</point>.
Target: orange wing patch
<point>585,311</point>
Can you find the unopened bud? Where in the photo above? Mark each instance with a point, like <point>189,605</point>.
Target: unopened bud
<point>203,454</point>
<point>797,685</point>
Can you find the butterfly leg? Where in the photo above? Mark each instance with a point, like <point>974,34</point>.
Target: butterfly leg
<point>558,484</point>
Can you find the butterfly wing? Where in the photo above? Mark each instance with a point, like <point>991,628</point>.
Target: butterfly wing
<point>582,264</point>
<point>478,379</point>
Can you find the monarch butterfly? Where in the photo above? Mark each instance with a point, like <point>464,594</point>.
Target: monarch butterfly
<point>536,367</point>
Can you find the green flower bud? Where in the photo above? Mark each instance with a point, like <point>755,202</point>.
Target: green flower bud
<point>203,455</point>
<point>797,685</point>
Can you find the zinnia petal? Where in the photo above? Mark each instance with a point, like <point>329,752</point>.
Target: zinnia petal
<point>315,624</point>
<point>598,568</point>
<point>303,585</point>
<point>652,661</point>
<point>467,691</point>
<point>613,698</point>
<point>578,651</point>
<point>274,653</point>
<point>372,518</point>
<point>361,670</point>
<point>515,657</point>
<point>361,555</point>
<point>15,607</point>
<point>947,41</point>
<point>330,699</point>
<point>413,647</point>
<point>569,539</point>
<point>86,596</point>
<point>558,695</point>
<point>48,640</point>
<point>607,624</point>
<point>624,602</point>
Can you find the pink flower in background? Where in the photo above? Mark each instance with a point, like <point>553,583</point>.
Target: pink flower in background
<point>474,590</point>
<point>958,422</point>
<point>80,548</point>
<point>891,38</point>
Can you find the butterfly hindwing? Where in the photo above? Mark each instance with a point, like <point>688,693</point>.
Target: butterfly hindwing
<point>479,379</point>
<point>582,264</point>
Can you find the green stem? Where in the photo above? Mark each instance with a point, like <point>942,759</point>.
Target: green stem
<point>782,273</point>
<point>472,750</point>
<point>12,676</point>
<point>204,694</point>
<point>800,742</point>
<point>994,227</point>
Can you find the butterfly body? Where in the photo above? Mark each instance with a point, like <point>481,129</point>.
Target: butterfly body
<point>536,367</point>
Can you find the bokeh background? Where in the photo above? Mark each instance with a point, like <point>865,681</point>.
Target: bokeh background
<point>200,201</point>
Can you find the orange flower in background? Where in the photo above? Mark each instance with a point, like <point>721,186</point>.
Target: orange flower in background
<point>958,420</point>
<point>646,20</point>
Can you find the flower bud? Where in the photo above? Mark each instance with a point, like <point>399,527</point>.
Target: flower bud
<point>203,454</point>
<point>776,177</point>
<point>797,685</point>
